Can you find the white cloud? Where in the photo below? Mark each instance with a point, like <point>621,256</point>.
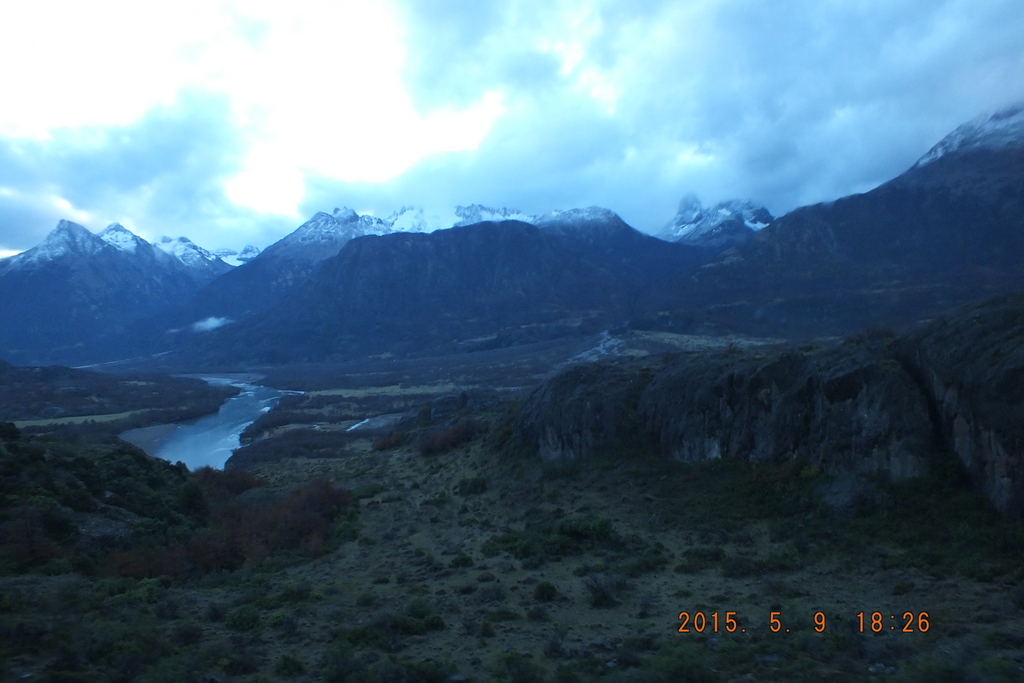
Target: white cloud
<point>211,118</point>
<point>315,86</point>
<point>211,323</point>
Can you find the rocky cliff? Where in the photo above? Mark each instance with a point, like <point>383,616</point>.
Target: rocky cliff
<point>874,404</point>
<point>971,366</point>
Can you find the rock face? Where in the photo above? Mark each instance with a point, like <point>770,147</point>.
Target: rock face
<point>873,405</point>
<point>972,367</point>
<point>718,227</point>
<point>849,408</point>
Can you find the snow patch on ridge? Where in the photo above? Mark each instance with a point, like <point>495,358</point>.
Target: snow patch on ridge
<point>1001,130</point>
<point>121,238</point>
<point>724,224</point>
<point>66,239</point>
<point>186,251</point>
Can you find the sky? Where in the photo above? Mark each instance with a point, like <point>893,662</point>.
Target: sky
<point>233,122</point>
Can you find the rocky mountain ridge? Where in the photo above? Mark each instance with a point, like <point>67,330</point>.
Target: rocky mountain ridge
<point>721,226</point>
<point>76,287</point>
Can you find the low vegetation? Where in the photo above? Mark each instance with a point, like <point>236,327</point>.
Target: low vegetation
<point>49,398</point>
<point>444,552</point>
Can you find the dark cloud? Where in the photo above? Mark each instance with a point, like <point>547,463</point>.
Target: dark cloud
<point>163,173</point>
<point>628,105</point>
<point>785,103</point>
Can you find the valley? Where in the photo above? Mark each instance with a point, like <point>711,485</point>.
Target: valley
<point>529,448</point>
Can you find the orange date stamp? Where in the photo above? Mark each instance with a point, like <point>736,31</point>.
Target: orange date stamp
<point>867,622</point>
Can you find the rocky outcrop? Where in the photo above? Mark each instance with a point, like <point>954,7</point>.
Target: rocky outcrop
<point>971,365</point>
<point>849,408</point>
<point>871,405</point>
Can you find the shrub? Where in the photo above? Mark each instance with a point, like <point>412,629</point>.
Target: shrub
<point>471,487</point>
<point>586,528</point>
<point>545,591</point>
<point>246,534</point>
<point>461,560</point>
<point>289,666</point>
<point>603,589</point>
<point>447,439</point>
<point>244,618</point>
<point>392,440</point>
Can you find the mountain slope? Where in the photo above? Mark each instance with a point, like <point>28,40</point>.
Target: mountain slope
<point>76,286</point>
<point>464,288</point>
<point>947,231</point>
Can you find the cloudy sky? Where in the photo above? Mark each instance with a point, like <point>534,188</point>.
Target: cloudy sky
<point>232,122</point>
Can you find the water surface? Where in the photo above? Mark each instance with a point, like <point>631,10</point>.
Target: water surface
<point>210,440</point>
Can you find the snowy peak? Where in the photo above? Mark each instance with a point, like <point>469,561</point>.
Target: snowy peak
<point>237,258</point>
<point>323,236</point>
<point>121,238</point>
<point>478,213</point>
<point>66,240</point>
<point>415,219</point>
<point>1002,130</point>
<point>720,226</point>
<point>187,251</point>
<point>579,219</point>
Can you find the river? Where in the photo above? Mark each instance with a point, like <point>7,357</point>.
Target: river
<point>208,440</point>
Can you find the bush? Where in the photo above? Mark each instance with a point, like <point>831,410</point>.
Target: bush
<point>289,666</point>
<point>241,534</point>
<point>603,589</point>
<point>461,560</point>
<point>392,440</point>
<point>586,528</point>
<point>447,439</point>
<point>471,487</point>
<point>545,591</point>
<point>244,618</point>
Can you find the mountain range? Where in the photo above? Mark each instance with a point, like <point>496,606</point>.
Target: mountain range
<point>948,230</point>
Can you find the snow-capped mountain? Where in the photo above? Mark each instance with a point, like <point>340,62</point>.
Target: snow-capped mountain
<point>478,213</point>
<point>323,236</point>
<point>76,286</point>
<point>120,237</point>
<point>67,239</point>
<point>166,255</point>
<point>576,218</point>
<point>203,265</point>
<point>1002,130</point>
<point>720,226</point>
<point>237,258</point>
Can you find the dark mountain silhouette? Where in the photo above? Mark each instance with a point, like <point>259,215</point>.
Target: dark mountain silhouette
<point>76,287</point>
<point>464,288</point>
<point>947,231</point>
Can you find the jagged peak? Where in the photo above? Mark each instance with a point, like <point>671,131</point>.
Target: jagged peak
<point>67,239</point>
<point>186,251</point>
<point>1001,130</point>
<point>121,238</point>
<point>478,213</point>
<point>725,223</point>
<point>345,215</point>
